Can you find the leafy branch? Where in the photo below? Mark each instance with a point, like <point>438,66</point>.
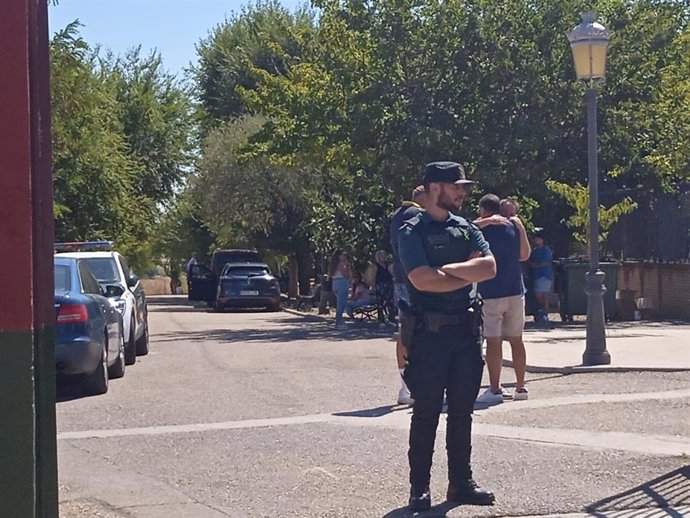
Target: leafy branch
<point>577,197</point>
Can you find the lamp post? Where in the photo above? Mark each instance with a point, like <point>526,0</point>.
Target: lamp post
<point>589,41</point>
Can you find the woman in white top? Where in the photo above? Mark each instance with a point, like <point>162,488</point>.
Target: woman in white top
<point>339,271</point>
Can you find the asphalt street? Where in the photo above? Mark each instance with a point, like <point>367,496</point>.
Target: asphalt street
<point>257,414</point>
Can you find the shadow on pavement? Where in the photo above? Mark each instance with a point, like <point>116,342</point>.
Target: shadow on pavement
<point>321,331</point>
<point>436,511</point>
<point>650,500</point>
<point>374,412</point>
<point>69,388</point>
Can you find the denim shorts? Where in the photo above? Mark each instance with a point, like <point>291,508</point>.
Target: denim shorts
<point>542,285</point>
<point>401,294</point>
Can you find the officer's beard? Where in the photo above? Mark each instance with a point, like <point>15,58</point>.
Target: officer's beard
<point>445,202</point>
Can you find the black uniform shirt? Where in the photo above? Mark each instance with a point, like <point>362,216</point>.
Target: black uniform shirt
<point>423,241</point>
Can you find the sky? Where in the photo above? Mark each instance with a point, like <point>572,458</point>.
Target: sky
<point>173,27</point>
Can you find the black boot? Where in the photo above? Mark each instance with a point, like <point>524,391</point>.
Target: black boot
<point>468,492</point>
<point>420,500</point>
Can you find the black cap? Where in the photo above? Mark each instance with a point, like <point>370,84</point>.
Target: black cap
<point>445,172</point>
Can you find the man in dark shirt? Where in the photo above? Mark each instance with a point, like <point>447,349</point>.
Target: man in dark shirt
<point>504,297</point>
<point>442,255</point>
<point>407,210</point>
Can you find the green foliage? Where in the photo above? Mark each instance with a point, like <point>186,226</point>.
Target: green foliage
<point>156,115</point>
<point>122,141</point>
<point>179,233</point>
<point>386,86</point>
<point>266,36</point>
<point>577,197</point>
<point>669,155</point>
<point>644,101</point>
<point>93,172</point>
<point>250,201</point>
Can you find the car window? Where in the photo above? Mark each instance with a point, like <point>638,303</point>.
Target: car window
<point>103,268</point>
<point>247,270</point>
<point>88,283</point>
<point>123,264</point>
<point>220,259</point>
<point>63,279</point>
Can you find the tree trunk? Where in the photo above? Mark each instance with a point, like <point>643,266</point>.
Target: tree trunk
<point>292,274</point>
<point>304,262</point>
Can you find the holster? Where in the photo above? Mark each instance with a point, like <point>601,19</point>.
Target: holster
<point>408,324</point>
<point>475,314</point>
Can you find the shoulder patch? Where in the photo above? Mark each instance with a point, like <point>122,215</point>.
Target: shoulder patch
<point>413,221</point>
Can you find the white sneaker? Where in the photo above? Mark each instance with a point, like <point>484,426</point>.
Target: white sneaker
<point>521,395</point>
<point>490,398</point>
<point>404,396</point>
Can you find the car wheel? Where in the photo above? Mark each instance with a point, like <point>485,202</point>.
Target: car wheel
<point>131,346</point>
<point>117,370</point>
<point>143,342</point>
<point>274,307</point>
<point>98,380</point>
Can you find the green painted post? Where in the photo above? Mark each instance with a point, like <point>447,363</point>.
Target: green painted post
<point>28,458</point>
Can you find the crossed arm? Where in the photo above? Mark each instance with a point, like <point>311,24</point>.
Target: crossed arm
<point>454,276</point>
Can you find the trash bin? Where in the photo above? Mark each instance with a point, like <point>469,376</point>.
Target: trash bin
<point>571,283</point>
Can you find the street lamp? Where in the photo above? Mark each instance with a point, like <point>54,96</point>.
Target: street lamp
<point>589,41</point>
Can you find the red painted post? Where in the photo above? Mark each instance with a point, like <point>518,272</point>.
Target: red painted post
<point>28,478</point>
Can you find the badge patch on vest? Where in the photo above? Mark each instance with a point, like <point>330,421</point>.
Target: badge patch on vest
<point>459,232</point>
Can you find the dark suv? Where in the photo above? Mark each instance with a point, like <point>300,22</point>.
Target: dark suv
<point>203,281</point>
<point>247,285</point>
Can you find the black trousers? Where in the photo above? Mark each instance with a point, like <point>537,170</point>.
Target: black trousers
<point>449,360</point>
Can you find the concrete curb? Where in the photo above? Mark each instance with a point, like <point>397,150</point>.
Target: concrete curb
<point>306,315</point>
<point>586,369</point>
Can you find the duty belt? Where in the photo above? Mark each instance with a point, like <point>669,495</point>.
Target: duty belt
<point>435,321</point>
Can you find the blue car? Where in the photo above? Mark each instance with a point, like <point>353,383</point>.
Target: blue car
<point>88,331</point>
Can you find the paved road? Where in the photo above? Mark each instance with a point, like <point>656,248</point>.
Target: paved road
<point>272,415</point>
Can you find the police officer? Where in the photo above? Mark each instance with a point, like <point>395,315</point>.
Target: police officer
<point>442,255</point>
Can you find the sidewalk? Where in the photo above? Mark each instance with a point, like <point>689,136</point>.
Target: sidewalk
<point>633,346</point>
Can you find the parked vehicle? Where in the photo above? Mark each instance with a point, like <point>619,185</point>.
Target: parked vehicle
<point>203,281</point>
<point>111,269</point>
<point>89,332</point>
<point>247,285</point>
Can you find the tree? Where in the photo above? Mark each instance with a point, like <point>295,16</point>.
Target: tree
<point>122,142</point>
<point>93,173</point>
<point>180,232</point>
<point>248,201</point>
<point>264,35</point>
<point>157,121</point>
<point>387,85</point>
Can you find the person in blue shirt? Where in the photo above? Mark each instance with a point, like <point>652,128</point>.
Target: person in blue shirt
<point>442,255</point>
<point>540,263</point>
<point>503,297</point>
